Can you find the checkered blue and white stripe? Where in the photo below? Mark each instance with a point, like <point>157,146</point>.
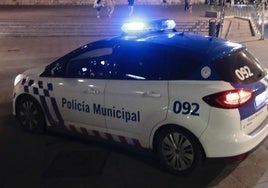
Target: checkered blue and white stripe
<point>38,88</point>
<point>44,91</point>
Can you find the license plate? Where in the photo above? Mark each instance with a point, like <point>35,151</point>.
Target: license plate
<point>261,99</point>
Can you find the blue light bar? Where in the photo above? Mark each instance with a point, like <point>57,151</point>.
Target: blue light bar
<point>138,27</point>
<point>133,27</point>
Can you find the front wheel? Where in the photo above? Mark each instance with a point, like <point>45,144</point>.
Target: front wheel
<point>30,115</point>
<point>178,150</point>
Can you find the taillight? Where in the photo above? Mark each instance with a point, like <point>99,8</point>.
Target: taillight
<point>229,99</point>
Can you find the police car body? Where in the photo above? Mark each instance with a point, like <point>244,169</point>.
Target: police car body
<point>183,95</point>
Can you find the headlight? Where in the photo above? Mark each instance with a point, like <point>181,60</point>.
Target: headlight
<point>18,79</point>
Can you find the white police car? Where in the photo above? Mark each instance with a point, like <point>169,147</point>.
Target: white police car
<point>183,95</point>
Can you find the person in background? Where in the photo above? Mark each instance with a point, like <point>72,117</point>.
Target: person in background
<point>190,6</point>
<point>164,3</point>
<point>131,7</point>
<point>186,5</point>
<point>98,5</point>
<point>110,7</point>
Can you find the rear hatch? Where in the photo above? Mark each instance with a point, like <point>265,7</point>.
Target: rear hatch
<point>244,71</point>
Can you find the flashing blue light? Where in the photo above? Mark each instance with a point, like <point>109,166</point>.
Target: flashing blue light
<point>137,27</point>
<point>134,27</point>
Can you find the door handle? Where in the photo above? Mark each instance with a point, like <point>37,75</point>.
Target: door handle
<point>92,91</point>
<point>151,94</point>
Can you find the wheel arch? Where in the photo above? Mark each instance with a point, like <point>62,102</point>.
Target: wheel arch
<point>39,124</point>
<point>20,97</point>
<point>167,126</point>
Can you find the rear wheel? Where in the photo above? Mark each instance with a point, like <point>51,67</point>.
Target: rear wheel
<point>178,150</point>
<point>30,115</point>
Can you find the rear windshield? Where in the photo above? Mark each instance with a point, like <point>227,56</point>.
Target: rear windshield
<point>239,67</point>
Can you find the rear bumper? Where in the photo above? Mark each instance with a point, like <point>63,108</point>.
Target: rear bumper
<point>225,138</point>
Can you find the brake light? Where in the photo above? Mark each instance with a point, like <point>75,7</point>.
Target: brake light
<point>229,99</point>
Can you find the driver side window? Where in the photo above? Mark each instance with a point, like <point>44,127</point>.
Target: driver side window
<point>90,65</point>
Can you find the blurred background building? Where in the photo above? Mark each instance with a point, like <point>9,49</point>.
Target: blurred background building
<point>86,2</point>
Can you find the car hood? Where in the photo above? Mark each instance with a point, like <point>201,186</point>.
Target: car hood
<point>34,71</point>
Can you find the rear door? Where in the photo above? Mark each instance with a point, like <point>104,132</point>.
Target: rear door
<point>136,97</point>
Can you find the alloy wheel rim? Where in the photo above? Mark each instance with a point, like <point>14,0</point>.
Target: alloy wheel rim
<point>178,151</point>
<point>29,115</point>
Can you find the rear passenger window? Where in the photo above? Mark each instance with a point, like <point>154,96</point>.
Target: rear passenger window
<point>141,63</point>
<point>182,65</point>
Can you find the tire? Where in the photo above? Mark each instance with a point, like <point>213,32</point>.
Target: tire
<point>178,151</point>
<point>30,115</point>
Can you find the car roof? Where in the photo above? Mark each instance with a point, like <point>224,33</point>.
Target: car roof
<point>205,47</point>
